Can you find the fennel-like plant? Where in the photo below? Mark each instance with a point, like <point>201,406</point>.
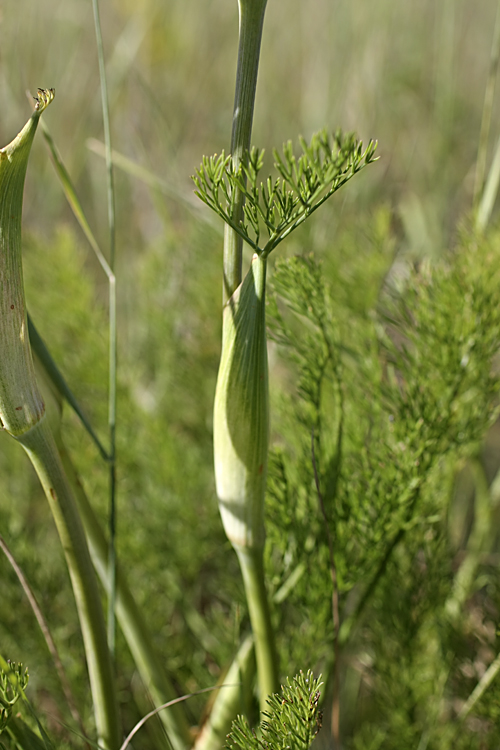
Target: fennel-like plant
<point>13,682</point>
<point>292,719</point>
<point>273,209</point>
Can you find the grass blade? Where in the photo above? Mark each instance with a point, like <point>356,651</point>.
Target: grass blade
<point>157,183</point>
<point>112,333</point>
<point>73,200</point>
<point>55,375</point>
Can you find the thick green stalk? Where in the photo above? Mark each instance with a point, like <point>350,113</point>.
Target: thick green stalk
<point>41,448</point>
<point>131,619</point>
<point>241,412</point>
<point>22,414</point>
<point>231,700</point>
<point>252,568</point>
<point>251,24</point>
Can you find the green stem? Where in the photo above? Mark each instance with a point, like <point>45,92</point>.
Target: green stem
<point>351,621</point>
<point>112,463</point>
<point>489,96</point>
<point>130,618</point>
<point>112,332</point>
<point>231,701</point>
<point>241,441</point>
<point>252,567</point>
<point>240,433</point>
<point>39,444</point>
<point>479,690</point>
<point>479,543</point>
<point>251,24</point>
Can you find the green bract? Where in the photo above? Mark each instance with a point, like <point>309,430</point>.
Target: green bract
<point>241,412</point>
<point>21,405</point>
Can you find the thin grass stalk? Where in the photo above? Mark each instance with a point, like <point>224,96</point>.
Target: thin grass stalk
<point>73,200</point>
<point>112,332</point>
<point>107,134</point>
<point>480,689</point>
<point>489,95</point>
<point>490,192</point>
<point>157,735</point>
<point>157,710</point>
<point>112,463</point>
<point>120,161</point>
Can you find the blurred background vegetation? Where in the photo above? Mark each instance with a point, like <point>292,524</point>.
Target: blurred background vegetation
<point>412,75</point>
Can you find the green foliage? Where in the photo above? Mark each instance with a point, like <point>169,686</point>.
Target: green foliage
<point>13,681</point>
<point>393,401</point>
<point>292,721</point>
<point>281,205</point>
<point>444,334</point>
<point>24,738</point>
